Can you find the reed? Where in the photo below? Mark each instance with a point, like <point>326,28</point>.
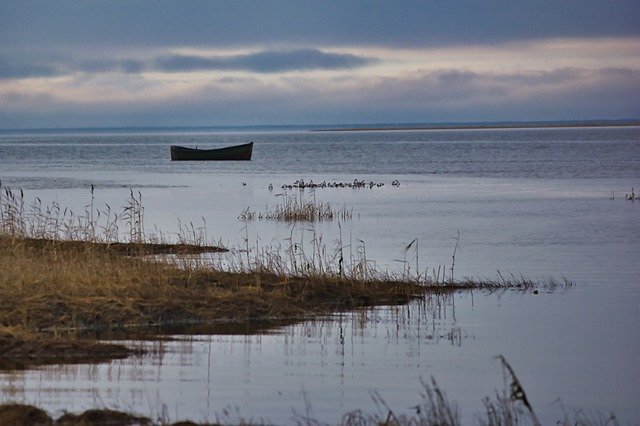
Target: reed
<point>21,220</point>
<point>511,406</point>
<point>297,209</point>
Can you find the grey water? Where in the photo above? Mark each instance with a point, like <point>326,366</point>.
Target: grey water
<point>545,203</point>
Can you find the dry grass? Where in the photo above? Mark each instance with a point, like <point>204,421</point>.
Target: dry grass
<point>59,272</point>
<point>298,209</point>
<point>49,285</point>
<point>21,349</point>
<point>62,273</point>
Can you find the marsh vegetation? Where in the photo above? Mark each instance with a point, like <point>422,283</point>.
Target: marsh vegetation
<point>298,209</point>
<point>66,275</point>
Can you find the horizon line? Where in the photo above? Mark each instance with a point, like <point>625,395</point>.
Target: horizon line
<point>356,126</point>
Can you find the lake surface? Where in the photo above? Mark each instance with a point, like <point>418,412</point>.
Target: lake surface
<point>541,203</point>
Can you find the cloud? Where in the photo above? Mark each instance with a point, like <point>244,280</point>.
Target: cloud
<point>35,67</point>
<point>266,61</point>
<point>448,86</point>
<point>304,61</point>
<point>107,25</point>
<point>13,70</point>
<point>127,66</point>
<point>272,61</point>
<point>427,96</point>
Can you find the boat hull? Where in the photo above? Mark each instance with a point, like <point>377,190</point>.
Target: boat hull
<point>231,153</point>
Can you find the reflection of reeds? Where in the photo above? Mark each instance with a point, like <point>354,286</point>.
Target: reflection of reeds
<point>433,409</point>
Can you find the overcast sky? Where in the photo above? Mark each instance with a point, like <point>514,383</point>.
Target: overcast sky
<point>209,63</point>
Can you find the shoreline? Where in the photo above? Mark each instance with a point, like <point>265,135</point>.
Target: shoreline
<point>479,126</point>
<point>332,127</point>
<point>102,288</point>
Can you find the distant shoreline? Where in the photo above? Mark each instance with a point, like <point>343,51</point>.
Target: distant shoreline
<point>346,127</point>
<point>480,126</point>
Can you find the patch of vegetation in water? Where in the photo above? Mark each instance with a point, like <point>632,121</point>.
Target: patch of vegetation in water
<point>63,274</point>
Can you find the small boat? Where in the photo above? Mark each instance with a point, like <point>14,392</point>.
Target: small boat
<point>230,153</point>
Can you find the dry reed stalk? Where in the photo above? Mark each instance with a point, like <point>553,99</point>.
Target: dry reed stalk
<point>293,209</point>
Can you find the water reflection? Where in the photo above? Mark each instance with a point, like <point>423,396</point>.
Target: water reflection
<point>333,358</point>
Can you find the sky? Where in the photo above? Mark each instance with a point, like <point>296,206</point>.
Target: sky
<point>139,63</point>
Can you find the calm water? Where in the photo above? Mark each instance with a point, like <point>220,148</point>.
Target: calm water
<point>533,202</point>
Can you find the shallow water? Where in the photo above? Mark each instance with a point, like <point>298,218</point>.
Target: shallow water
<point>559,346</point>
<point>532,202</point>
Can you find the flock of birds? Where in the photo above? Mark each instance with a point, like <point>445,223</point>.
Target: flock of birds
<point>632,197</point>
<point>629,197</point>
<point>301,184</point>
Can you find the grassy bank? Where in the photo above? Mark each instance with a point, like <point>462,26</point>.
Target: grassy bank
<point>48,286</point>
<point>64,274</point>
<point>64,277</point>
<point>515,125</point>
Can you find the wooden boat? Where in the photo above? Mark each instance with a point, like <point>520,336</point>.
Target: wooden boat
<point>230,153</point>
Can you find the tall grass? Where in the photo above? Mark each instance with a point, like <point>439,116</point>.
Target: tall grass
<point>19,219</point>
<point>308,255</point>
<point>65,270</point>
<point>298,209</point>
<point>302,256</point>
<point>35,220</point>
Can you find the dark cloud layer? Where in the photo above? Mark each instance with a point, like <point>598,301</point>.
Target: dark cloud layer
<point>434,96</point>
<point>13,70</point>
<point>409,23</point>
<point>455,60</point>
<point>261,62</point>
